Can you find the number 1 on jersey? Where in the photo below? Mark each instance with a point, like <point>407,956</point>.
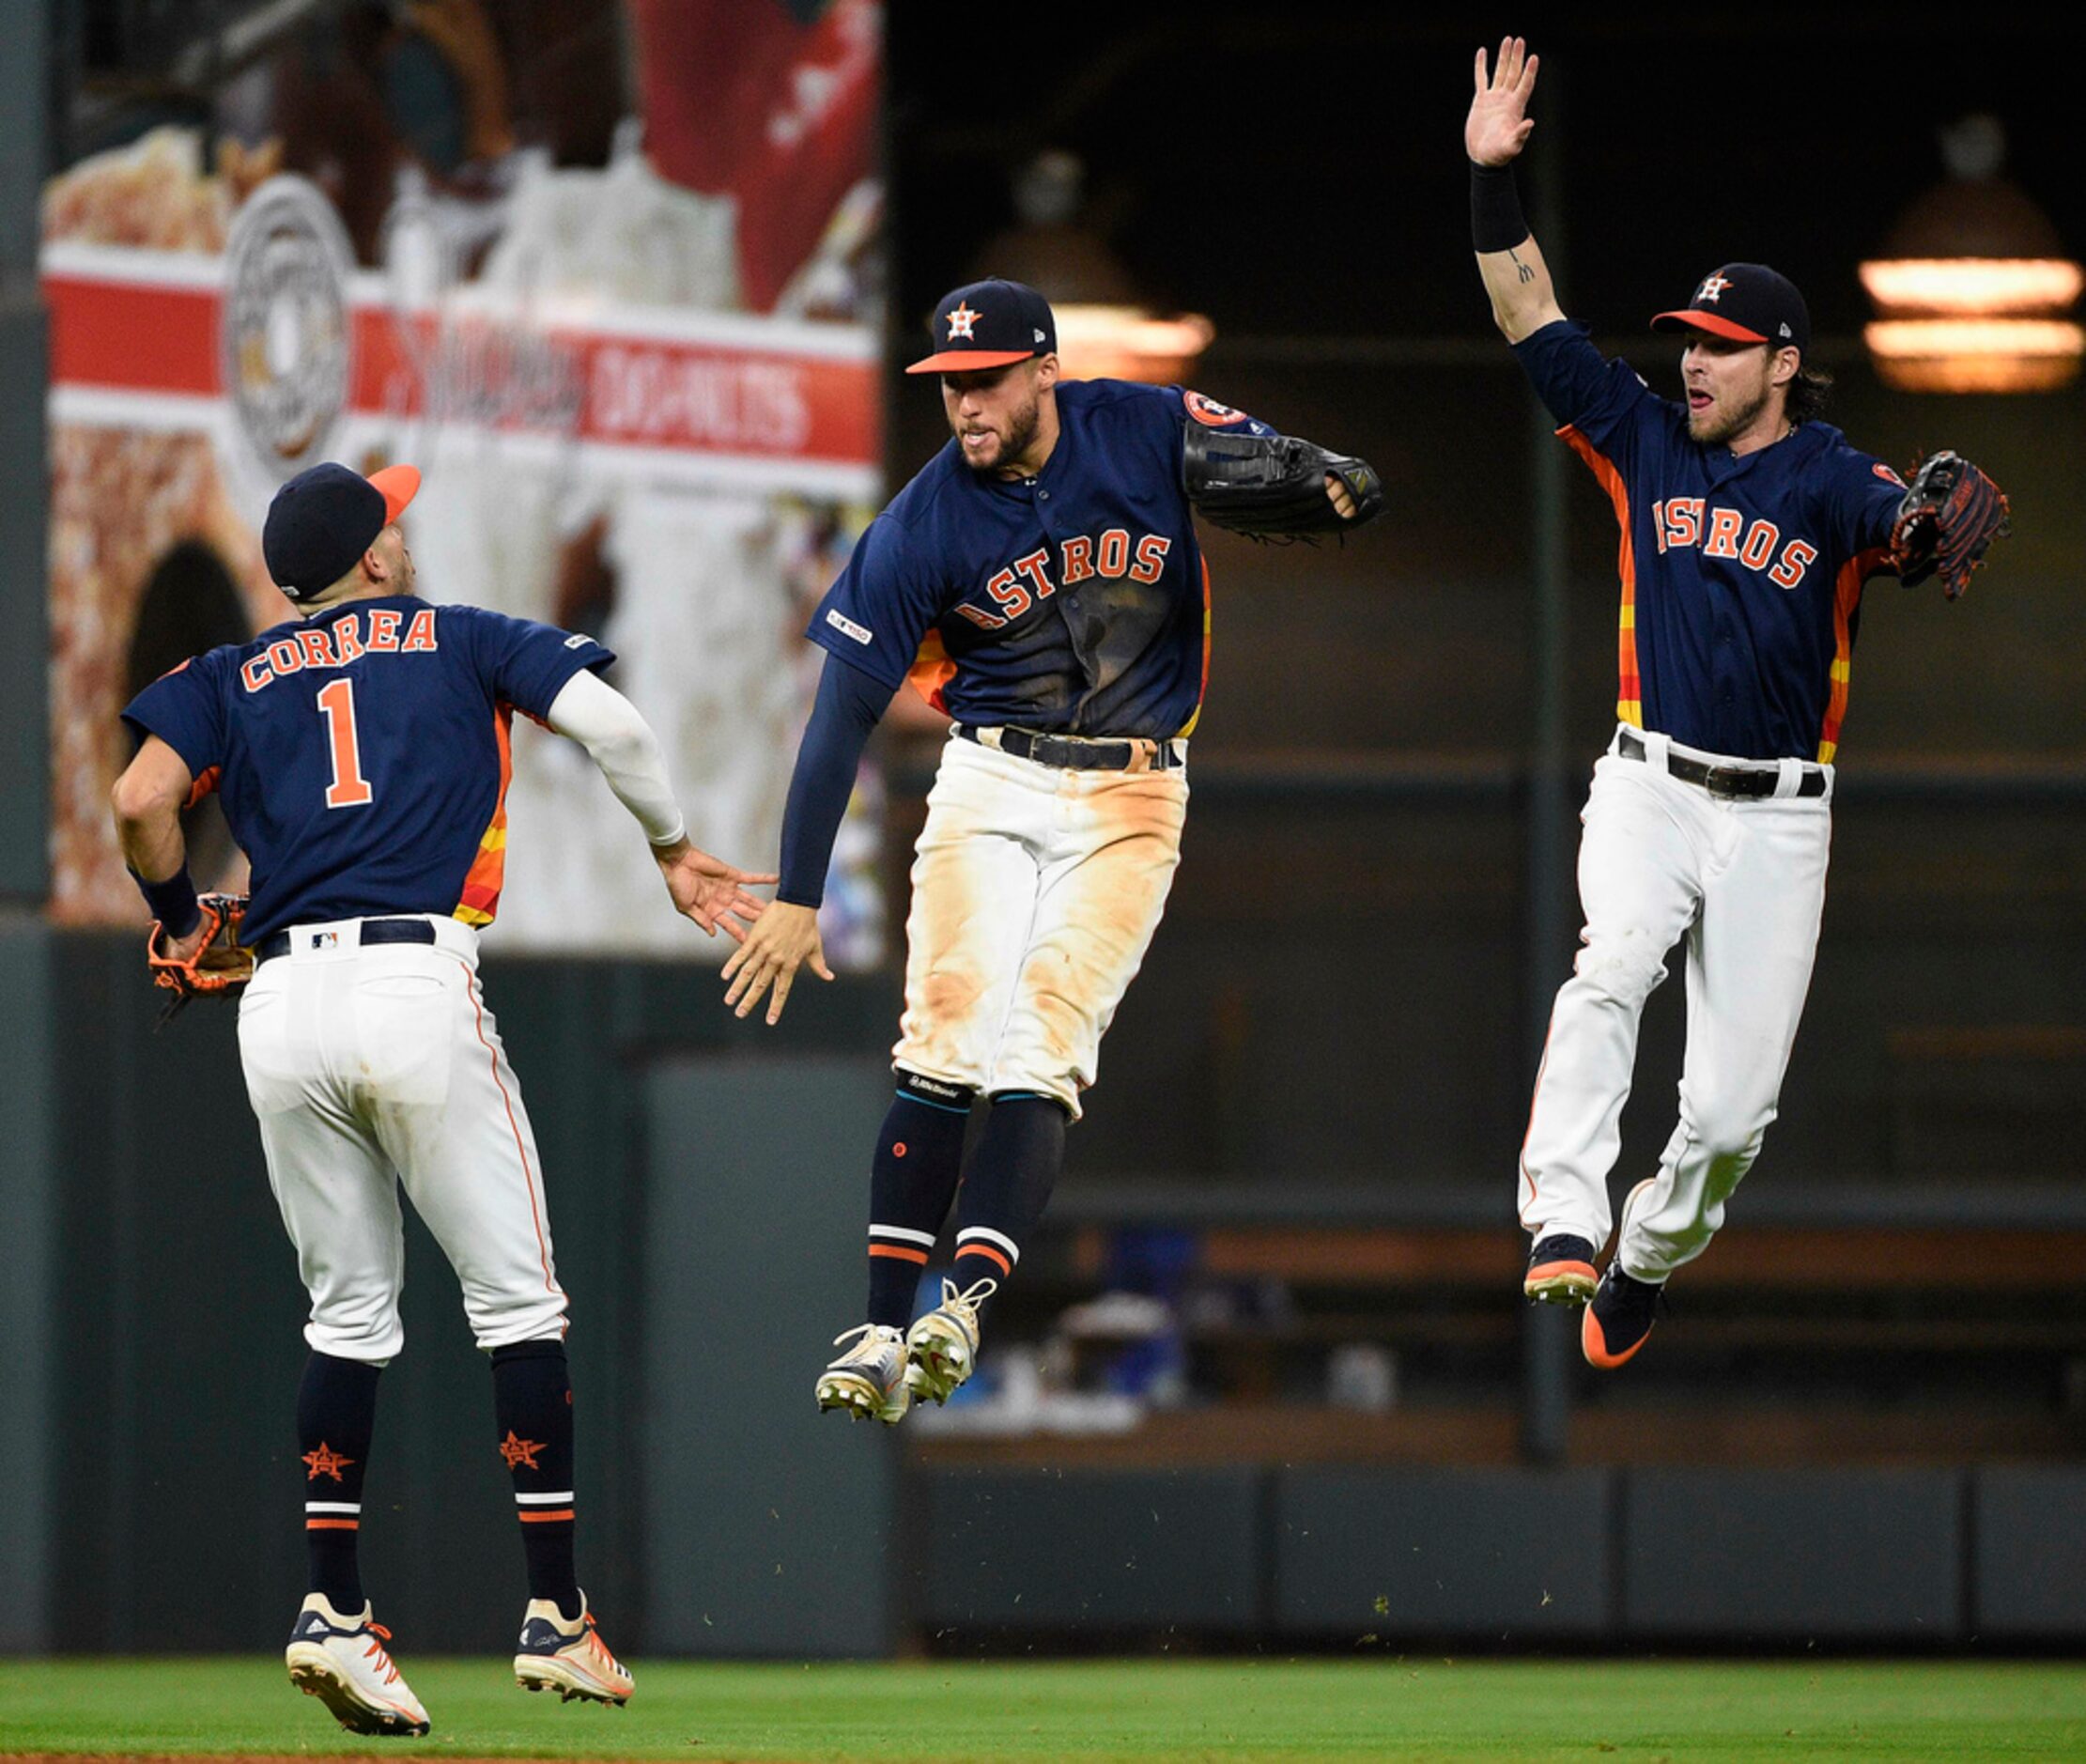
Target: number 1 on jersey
<point>350,788</point>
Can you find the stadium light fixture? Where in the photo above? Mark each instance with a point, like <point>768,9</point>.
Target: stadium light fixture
<point>1974,293</point>
<point>1129,342</point>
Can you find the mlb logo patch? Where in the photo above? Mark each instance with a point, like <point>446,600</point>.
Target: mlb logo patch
<point>325,939</point>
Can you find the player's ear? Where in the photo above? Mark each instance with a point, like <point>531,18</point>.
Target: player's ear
<point>1046,371</point>
<point>1787,362</point>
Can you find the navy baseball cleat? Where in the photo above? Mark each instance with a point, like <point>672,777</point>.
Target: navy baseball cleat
<point>1618,1319</point>
<point>568,1655</point>
<point>1560,1271</point>
<point>341,1661</point>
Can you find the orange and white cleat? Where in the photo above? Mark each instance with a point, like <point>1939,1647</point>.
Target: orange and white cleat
<point>344,1662</point>
<point>568,1655</point>
<point>1560,1271</point>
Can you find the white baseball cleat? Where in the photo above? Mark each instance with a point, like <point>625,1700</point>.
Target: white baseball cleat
<point>568,1655</point>
<point>341,1661</point>
<point>941,1347</point>
<point>870,1378</point>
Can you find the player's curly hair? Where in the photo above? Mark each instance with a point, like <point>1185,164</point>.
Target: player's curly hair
<point>1807,395</point>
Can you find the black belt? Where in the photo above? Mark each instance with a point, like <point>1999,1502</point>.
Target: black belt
<point>1724,780</point>
<point>1077,753</point>
<point>373,931</point>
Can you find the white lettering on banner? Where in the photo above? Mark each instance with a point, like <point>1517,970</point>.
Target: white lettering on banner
<point>664,395</point>
<point>847,627</point>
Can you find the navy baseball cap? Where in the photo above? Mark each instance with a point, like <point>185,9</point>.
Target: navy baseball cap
<point>326,517</point>
<point>1747,303</point>
<point>987,324</point>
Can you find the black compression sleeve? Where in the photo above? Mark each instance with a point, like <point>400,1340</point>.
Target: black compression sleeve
<point>1495,219</point>
<point>846,709</point>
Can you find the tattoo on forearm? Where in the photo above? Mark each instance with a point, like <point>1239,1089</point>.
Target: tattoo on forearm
<point>1527,275</point>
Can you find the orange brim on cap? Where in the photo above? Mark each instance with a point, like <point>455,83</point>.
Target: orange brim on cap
<point>399,484</point>
<point>964,360</point>
<point>1693,320</point>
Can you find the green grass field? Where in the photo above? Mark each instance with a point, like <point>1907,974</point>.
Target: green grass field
<point>1115,1712</point>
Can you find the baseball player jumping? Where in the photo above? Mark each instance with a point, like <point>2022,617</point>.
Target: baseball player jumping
<point>361,756</point>
<point>1039,581</point>
<point>1747,531</point>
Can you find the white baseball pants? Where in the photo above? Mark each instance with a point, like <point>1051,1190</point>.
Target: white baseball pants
<point>1743,880</point>
<point>1036,892</point>
<point>372,1067</point>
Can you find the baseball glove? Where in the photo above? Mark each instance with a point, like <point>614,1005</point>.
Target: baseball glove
<point>220,965</point>
<point>1949,518</point>
<point>1273,486</point>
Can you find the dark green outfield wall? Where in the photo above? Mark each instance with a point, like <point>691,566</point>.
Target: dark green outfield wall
<point>706,1183</point>
<point>153,1311</point>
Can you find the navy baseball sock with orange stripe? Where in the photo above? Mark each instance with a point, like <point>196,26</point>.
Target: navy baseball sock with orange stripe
<point>532,1405</point>
<point>1012,1175</point>
<point>337,1417</point>
<point>919,1154</point>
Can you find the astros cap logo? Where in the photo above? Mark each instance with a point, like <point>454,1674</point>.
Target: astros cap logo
<point>987,324</point>
<point>1712,287</point>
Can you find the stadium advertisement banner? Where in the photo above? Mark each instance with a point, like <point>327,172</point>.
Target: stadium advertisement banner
<point>645,408</point>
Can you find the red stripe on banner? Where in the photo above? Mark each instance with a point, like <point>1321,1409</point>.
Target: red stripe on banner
<point>619,386</point>
<point>140,338</point>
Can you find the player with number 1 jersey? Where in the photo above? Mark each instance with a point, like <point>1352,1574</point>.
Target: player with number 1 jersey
<point>361,753</point>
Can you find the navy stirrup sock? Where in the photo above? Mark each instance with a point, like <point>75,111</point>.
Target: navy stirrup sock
<point>1012,1175</point>
<point>920,1155</point>
<point>336,1419</point>
<point>532,1403</point>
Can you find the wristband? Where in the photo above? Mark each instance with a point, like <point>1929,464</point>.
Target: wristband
<point>172,902</point>
<point>1495,218</point>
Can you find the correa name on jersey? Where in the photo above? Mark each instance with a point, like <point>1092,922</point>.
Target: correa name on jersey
<point>385,722</point>
<point>1741,573</point>
<point>381,632</point>
<point>1074,602</point>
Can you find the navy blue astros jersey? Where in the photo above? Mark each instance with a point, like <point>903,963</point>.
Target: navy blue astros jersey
<point>1074,602</point>
<point>1742,574</point>
<point>361,754</point>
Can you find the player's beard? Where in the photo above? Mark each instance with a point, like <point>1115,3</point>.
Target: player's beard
<point>1724,419</point>
<point>1023,422</point>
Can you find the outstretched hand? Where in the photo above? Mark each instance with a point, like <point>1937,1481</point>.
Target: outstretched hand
<point>784,940</point>
<point>1499,123</point>
<point>710,890</point>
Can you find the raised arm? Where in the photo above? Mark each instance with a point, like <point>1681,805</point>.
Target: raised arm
<point>1508,258</point>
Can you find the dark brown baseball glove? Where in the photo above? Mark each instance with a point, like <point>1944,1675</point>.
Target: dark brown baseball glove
<point>1948,519</point>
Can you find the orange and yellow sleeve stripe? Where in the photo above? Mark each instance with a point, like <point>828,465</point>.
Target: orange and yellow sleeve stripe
<point>1630,691</point>
<point>488,869</point>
